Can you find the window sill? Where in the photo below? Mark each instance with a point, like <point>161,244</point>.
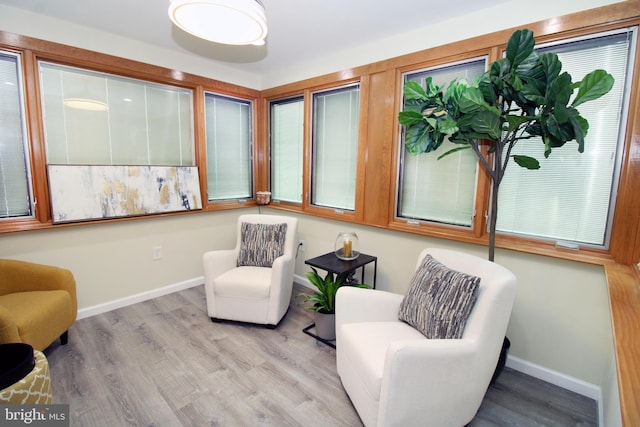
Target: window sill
<point>624,297</point>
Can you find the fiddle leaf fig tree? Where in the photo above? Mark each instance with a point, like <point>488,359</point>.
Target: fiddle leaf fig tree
<point>523,96</point>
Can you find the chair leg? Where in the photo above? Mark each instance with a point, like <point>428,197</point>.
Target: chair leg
<point>64,338</point>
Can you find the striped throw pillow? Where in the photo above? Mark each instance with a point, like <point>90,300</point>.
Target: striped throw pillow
<point>439,300</point>
<point>261,244</point>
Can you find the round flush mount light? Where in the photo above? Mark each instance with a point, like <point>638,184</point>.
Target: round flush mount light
<point>235,22</point>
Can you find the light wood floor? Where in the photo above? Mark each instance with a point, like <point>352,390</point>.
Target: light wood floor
<point>164,363</point>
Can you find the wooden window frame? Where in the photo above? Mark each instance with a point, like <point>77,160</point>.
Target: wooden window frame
<point>381,85</point>
<point>33,50</point>
<point>380,92</point>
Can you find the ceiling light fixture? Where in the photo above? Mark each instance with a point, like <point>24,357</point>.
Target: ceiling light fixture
<point>236,22</point>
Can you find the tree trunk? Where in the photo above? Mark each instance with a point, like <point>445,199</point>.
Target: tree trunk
<point>496,177</point>
<point>492,219</point>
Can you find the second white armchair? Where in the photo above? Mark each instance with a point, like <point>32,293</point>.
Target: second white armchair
<point>253,282</point>
<point>397,376</point>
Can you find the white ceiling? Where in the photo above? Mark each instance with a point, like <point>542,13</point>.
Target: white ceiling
<point>299,30</point>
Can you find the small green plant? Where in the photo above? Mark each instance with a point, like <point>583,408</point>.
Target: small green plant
<point>324,301</point>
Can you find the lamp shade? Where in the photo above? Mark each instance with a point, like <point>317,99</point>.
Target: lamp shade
<point>235,22</point>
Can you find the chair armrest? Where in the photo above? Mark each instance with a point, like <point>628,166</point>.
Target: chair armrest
<point>366,305</point>
<point>8,328</point>
<point>282,268</point>
<point>22,276</point>
<point>217,262</point>
<point>281,286</point>
<point>436,378</point>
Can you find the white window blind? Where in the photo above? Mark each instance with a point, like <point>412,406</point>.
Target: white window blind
<point>571,197</point>
<point>335,147</point>
<point>440,190</point>
<point>229,141</point>
<point>286,130</point>
<point>15,178</point>
<point>93,118</point>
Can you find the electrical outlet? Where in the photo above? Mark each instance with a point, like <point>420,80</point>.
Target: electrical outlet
<point>301,245</point>
<point>157,252</point>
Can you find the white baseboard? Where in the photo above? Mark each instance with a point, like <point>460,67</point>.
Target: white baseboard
<point>567,382</point>
<point>143,296</point>
<point>557,378</point>
<point>301,280</point>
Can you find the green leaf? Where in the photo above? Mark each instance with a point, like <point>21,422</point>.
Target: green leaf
<point>516,121</point>
<point>520,46</point>
<point>454,91</point>
<point>594,85</point>
<point>409,118</point>
<point>487,123</point>
<point>526,162</point>
<point>413,90</point>
<point>487,89</point>
<point>472,100</point>
<point>419,139</point>
<point>448,126</point>
<point>431,88</point>
<point>560,90</point>
<point>580,127</point>
<point>454,150</point>
<point>314,278</point>
<point>550,66</point>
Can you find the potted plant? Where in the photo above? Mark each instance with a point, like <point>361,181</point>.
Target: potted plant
<point>523,97</point>
<point>323,302</point>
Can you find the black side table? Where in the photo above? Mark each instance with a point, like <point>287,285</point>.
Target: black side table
<point>331,263</point>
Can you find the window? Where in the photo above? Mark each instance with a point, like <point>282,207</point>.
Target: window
<point>335,147</point>
<point>440,190</point>
<point>15,178</point>
<point>286,127</point>
<point>572,196</point>
<point>229,147</point>
<point>93,118</point>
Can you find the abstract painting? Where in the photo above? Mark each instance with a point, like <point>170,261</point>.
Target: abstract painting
<point>80,193</point>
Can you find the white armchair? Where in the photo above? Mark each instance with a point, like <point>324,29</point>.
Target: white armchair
<point>395,376</point>
<point>253,282</point>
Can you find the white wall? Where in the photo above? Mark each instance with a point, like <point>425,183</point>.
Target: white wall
<point>507,15</point>
<point>114,261</point>
<point>560,320</point>
<point>514,13</point>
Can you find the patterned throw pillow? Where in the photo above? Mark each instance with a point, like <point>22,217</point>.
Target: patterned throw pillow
<point>439,300</point>
<point>261,244</point>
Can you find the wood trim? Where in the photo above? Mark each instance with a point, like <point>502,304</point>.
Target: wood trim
<point>377,155</point>
<point>261,163</point>
<point>625,239</point>
<point>200,137</point>
<point>623,282</point>
<point>35,128</point>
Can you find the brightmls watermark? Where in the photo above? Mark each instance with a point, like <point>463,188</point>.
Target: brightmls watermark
<point>34,415</point>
